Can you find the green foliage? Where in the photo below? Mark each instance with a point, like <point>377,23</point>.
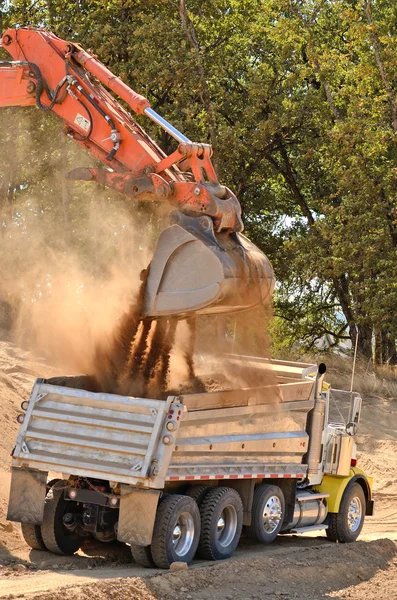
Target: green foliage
<point>297,98</point>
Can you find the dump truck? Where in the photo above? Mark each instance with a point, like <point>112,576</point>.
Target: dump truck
<point>184,475</point>
<point>181,474</point>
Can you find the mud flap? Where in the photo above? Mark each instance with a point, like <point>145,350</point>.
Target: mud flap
<point>370,508</point>
<point>137,515</point>
<point>27,495</point>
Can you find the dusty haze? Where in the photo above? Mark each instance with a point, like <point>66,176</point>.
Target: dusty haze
<point>67,302</point>
<point>70,264</point>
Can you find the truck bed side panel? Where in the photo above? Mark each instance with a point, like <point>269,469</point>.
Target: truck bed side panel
<point>264,438</point>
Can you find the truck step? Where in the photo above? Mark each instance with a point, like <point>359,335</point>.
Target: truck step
<point>309,528</point>
<point>305,497</point>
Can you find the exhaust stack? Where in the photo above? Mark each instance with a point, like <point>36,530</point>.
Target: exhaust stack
<point>317,423</point>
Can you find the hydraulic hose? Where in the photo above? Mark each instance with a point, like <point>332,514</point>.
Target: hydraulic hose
<point>114,132</point>
<point>55,99</point>
<point>40,84</point>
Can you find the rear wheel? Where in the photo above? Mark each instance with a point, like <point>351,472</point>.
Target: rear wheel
<point>58,538</point>
<point>176,531</point>
<point>32,533</point>
<point>346,525</point>
<point>32,536</point>
<point>142,555</point>
<point>268,507</point>
<point>221,523</point>
<point>198,493</point>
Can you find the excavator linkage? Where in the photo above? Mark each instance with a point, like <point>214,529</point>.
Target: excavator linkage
<point>202,263</point>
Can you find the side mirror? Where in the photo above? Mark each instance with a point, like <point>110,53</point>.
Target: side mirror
<point>351,429</point>
<point>354,415</point>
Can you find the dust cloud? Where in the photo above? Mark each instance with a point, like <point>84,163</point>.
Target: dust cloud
<point>68,301</point>
<point>70,269</point>
<point>86,320</point>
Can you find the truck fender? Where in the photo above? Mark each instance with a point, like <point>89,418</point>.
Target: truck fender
<point>335,486</point>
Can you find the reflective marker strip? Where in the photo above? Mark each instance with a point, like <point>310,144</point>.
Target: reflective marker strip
<point>236,476</point>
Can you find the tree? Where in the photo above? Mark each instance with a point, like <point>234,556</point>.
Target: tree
<point>298,101</point>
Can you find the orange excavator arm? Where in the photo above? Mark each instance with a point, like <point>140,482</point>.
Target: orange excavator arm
<point>202,259</point>
<point>63,78</point>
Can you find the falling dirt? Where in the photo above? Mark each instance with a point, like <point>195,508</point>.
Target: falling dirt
<point>156,357</point>
<point>136,362</point>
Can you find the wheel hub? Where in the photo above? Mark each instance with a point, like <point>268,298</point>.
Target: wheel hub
<point>227,526</point>
<point>354,514</point>
<point>183,534</point>
<point>272,514</point>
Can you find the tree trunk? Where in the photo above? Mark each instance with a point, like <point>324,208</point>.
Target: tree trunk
<point>378,349</point>
<point>191,36</point>
<point>389,351</point>
<point>365,341</point>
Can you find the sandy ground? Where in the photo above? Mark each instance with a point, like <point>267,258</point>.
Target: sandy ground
<point>302,567</point>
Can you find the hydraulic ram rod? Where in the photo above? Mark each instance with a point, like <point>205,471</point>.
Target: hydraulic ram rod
<point>177,135</point>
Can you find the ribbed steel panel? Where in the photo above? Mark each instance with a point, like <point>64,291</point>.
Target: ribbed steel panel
<point>90,434</point>
<point>272,434</point>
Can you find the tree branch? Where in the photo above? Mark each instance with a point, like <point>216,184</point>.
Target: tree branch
<point>191,36</point>
<point>289,178</point>
<point>379,62</point>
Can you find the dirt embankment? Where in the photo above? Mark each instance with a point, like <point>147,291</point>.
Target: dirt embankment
<point>293,567</point>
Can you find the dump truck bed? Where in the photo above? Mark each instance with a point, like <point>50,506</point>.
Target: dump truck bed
<point>148,442</point>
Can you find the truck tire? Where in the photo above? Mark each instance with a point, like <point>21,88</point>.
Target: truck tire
<point>346,525</point>
<point>198,493</point>
<point>221,523</point>
<point>32,536</point>
<point>32,533</point>
<point>56,537</point>
<point>268,509</point>
<point>51,483</point>
<point>142,555</point>
<point>176,531</point>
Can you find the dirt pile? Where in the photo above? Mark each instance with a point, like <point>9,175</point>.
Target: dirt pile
<point>312,571</point>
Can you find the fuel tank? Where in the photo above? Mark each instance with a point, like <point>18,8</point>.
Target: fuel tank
<point>195,270</point>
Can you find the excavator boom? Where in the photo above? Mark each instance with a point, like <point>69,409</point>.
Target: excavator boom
<point>202,262</point>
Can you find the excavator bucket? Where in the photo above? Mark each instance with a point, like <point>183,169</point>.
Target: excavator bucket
<point>195,270</point>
